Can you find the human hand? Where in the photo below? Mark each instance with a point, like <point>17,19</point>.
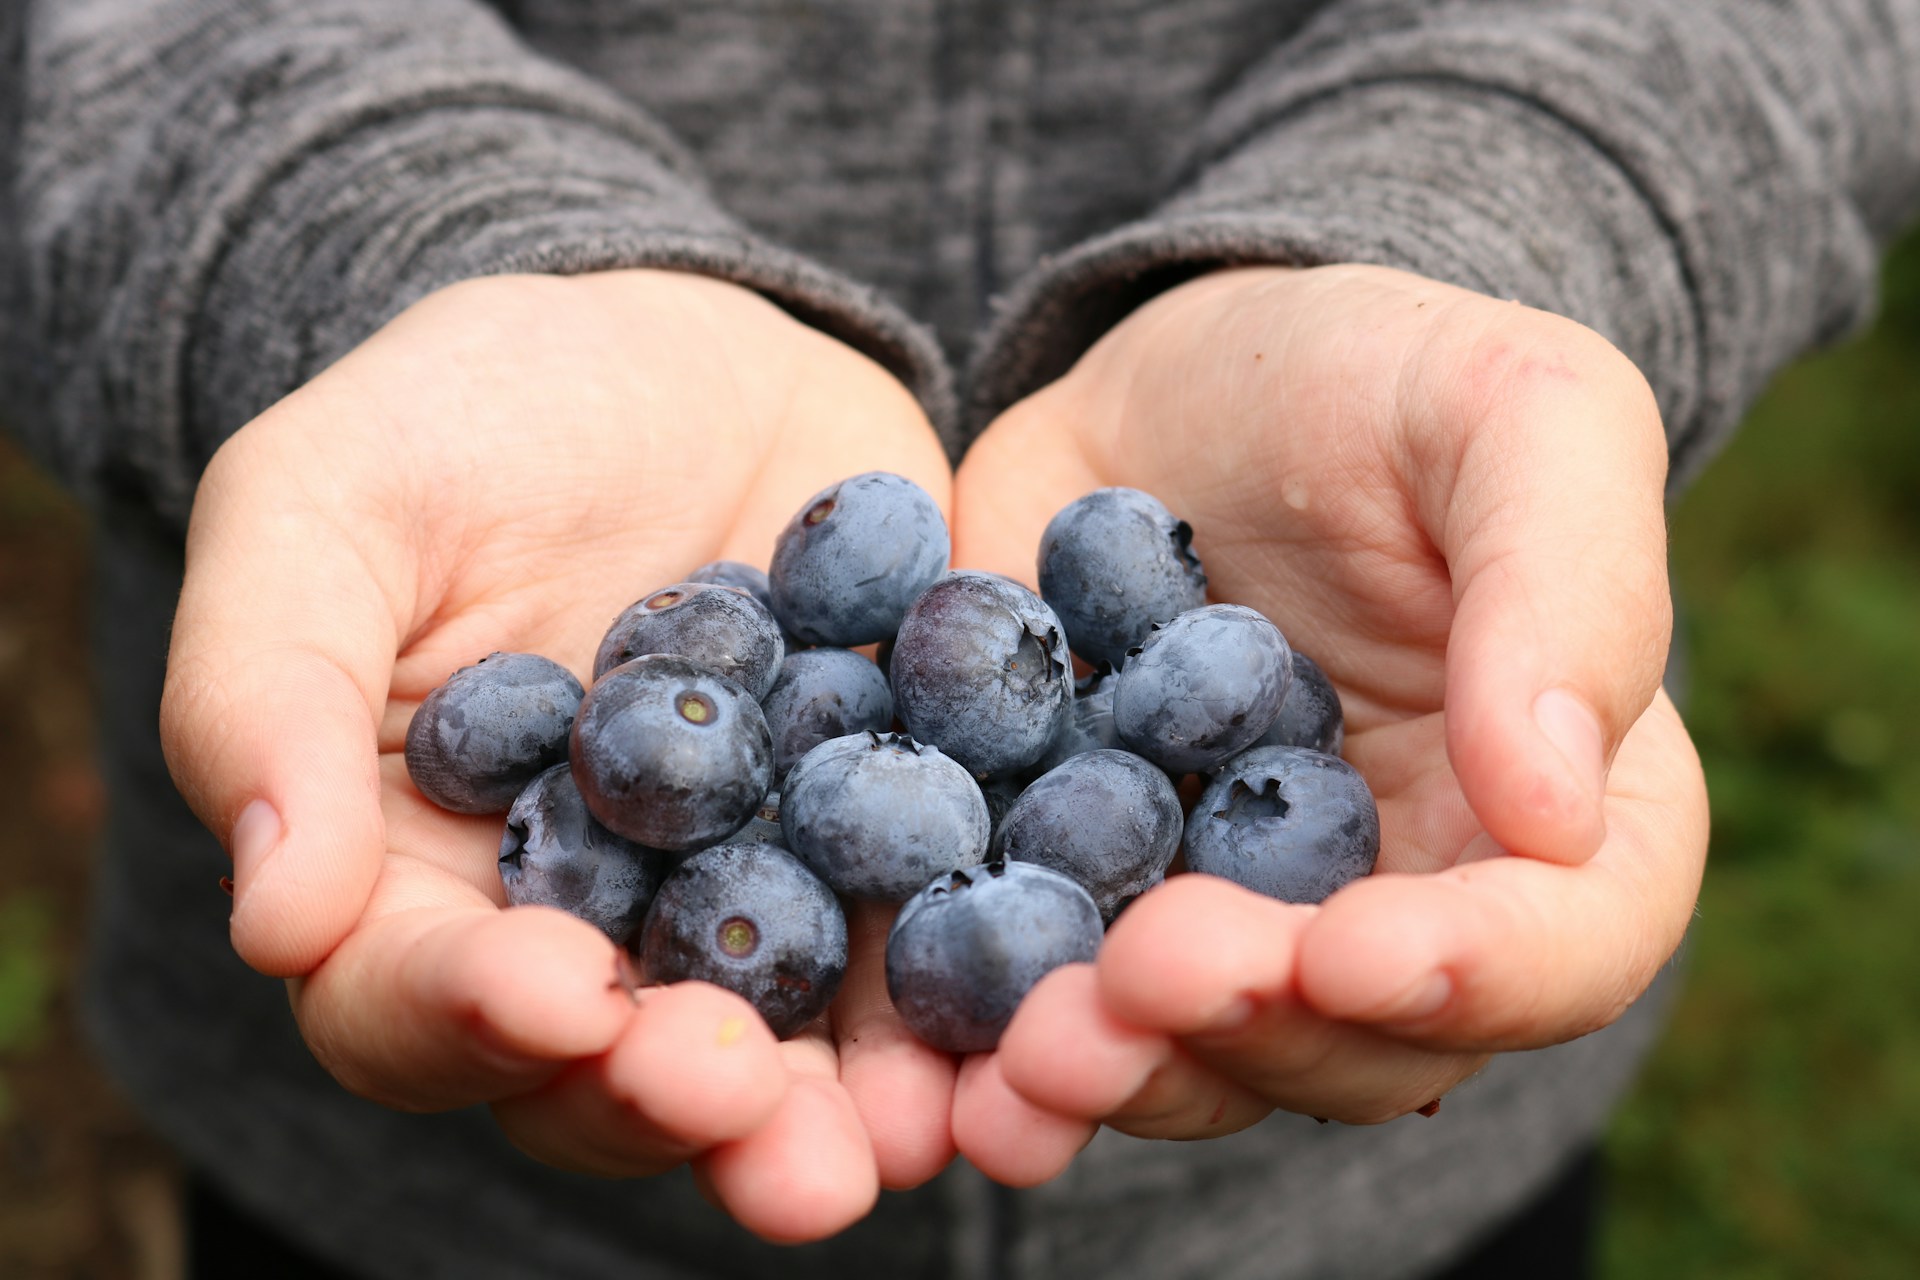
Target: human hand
<point>1453,504</point>
<point>505,467</point>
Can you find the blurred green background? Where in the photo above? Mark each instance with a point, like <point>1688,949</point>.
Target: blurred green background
<point>1776,1132</point>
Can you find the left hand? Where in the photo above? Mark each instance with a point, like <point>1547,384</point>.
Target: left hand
<point>504,467</point>
<point>1454,505</point>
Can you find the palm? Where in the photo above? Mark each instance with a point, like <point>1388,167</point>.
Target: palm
<point>1370,460</point>
<point>506,467</point>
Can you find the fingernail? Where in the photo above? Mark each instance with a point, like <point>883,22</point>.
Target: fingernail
<point>1422,1000</point>
<point>255,832</point>
<point>1575,733</point>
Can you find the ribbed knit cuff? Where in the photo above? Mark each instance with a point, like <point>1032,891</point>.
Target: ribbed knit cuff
<point>1462,183</point>
<point>333,184</point>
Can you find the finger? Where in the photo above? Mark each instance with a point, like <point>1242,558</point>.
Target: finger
<point>1005,1136</point>
<point>1513,953</point>
<point>1196,953</point>
<point>1246,1044</point>
<point>1066,1052</point>
<point>1554,532</point>
<point>694,1067</point>
<point>902,1090</point>
<point>1294,1059</point>
<point>449,1005</point>
<point>1023,469</point>
<point>281,650</point>
<point>806,1174</point>
<point>1068,1056</point>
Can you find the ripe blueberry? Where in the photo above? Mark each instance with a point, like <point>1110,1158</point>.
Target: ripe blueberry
<point>877,815</point>
<point>477,741</point>
<point>853,558</point>
<point>1112,564</point>
<point>555,854</point>
<point>1202,688</point>
<point>671,755</point>
<point>752,919</point>
<point>1290,823</point>
<point>980,669</point>
<point>722,628</point>
<point>966,949</point>
<point>1108,819</point>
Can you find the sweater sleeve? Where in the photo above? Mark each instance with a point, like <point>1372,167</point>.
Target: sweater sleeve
<point>208,201</point>
<point>1707,184</point>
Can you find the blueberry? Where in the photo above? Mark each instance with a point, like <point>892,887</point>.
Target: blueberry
<point>722,628</point>
<point>480,738</point>
<point>750,918</point>
<point>1202,688</point>
<point>1112,564</point>
<point>966,949</point>
<point>981,670</point>
<point>821,694</point>
<point>853,558</point>
<point>744,577</point>
<point>877,815</point>
<point>735,574</point>
<point>1108,819</point>
<point>554,854</point>
<point>1290,823</point>
<point>1310,716</point>
<point>1089,726</point>
<point>669,754</point>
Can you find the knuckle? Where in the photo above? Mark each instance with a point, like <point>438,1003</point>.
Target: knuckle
<point>1519,361</point>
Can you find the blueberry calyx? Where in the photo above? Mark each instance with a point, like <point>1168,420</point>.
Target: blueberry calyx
<point>1183,548</point>
<point>1245,804</point>
<point>737,936</point>
<point>516,852</point>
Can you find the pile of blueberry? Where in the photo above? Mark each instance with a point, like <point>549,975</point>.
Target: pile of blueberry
<point>736,769</point>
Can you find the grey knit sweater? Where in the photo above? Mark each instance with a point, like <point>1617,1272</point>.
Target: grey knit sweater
<point>206,201</point>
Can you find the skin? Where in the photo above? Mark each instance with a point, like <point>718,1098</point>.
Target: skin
<point>1455,504</point>
<point>506,466</point>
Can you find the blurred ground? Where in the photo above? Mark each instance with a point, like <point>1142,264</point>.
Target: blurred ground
<point>85,1193</point>
<point>1777,1131</point>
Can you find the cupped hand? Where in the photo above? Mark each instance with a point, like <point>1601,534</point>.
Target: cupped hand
<point>505,466</point>
<point>1454,505</point>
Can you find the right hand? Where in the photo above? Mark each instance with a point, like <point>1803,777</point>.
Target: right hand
<point>504,467</point>
<point>1454,504</point>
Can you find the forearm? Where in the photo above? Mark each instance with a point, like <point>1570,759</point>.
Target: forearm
<point>212,202</point>
<point>1707,185</point>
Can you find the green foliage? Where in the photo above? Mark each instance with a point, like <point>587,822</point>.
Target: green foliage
<point>28,971</point>
<point>1777,1131</point>
<point>29,974</point>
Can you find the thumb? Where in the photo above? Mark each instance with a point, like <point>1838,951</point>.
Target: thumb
<point>282,647</point>
<point>1555,536</point>
<point>1020,472</point>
